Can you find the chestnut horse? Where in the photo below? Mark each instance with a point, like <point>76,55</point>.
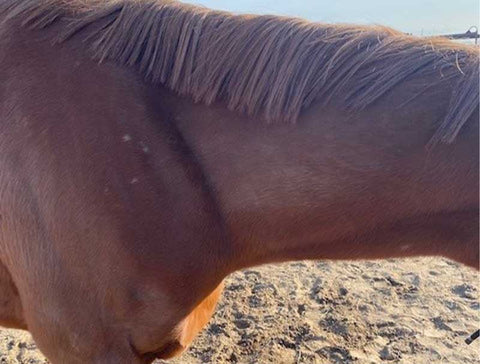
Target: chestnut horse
<point>150,148</point>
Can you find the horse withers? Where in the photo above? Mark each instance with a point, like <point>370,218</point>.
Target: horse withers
<point>150,148</point>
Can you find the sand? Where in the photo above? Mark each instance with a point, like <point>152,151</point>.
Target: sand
<point>397,311</point>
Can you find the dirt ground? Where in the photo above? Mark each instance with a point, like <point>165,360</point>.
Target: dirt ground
<point>408,311</point>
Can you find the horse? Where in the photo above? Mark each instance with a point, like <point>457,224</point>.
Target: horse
<point>150,148</point>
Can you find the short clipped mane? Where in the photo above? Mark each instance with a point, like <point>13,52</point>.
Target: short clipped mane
<point>266,65</point>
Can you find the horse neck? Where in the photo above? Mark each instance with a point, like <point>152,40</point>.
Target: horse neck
<point>335,185</point>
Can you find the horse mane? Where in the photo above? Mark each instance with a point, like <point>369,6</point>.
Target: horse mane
<point>269,65</point>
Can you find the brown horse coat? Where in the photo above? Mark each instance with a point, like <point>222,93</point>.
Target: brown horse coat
<point>150,148</point>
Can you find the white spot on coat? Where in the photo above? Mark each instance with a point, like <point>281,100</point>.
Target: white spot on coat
<point>144,147</point>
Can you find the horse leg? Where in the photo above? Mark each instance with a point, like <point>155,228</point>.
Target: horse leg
<point>68,327</point>
<point>68,337</point>
<point>11,313</point>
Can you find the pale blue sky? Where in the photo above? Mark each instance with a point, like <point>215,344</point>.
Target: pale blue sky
<point>413,16</point>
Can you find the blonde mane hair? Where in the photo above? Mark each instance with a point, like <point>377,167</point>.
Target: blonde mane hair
<point>268,65</point>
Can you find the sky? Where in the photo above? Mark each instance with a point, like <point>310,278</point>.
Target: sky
<point>420,17</point>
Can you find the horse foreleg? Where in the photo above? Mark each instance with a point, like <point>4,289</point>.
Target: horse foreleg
<point>11,313</point>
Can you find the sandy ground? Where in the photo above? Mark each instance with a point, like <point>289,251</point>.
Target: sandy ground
<point>409,311</point>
